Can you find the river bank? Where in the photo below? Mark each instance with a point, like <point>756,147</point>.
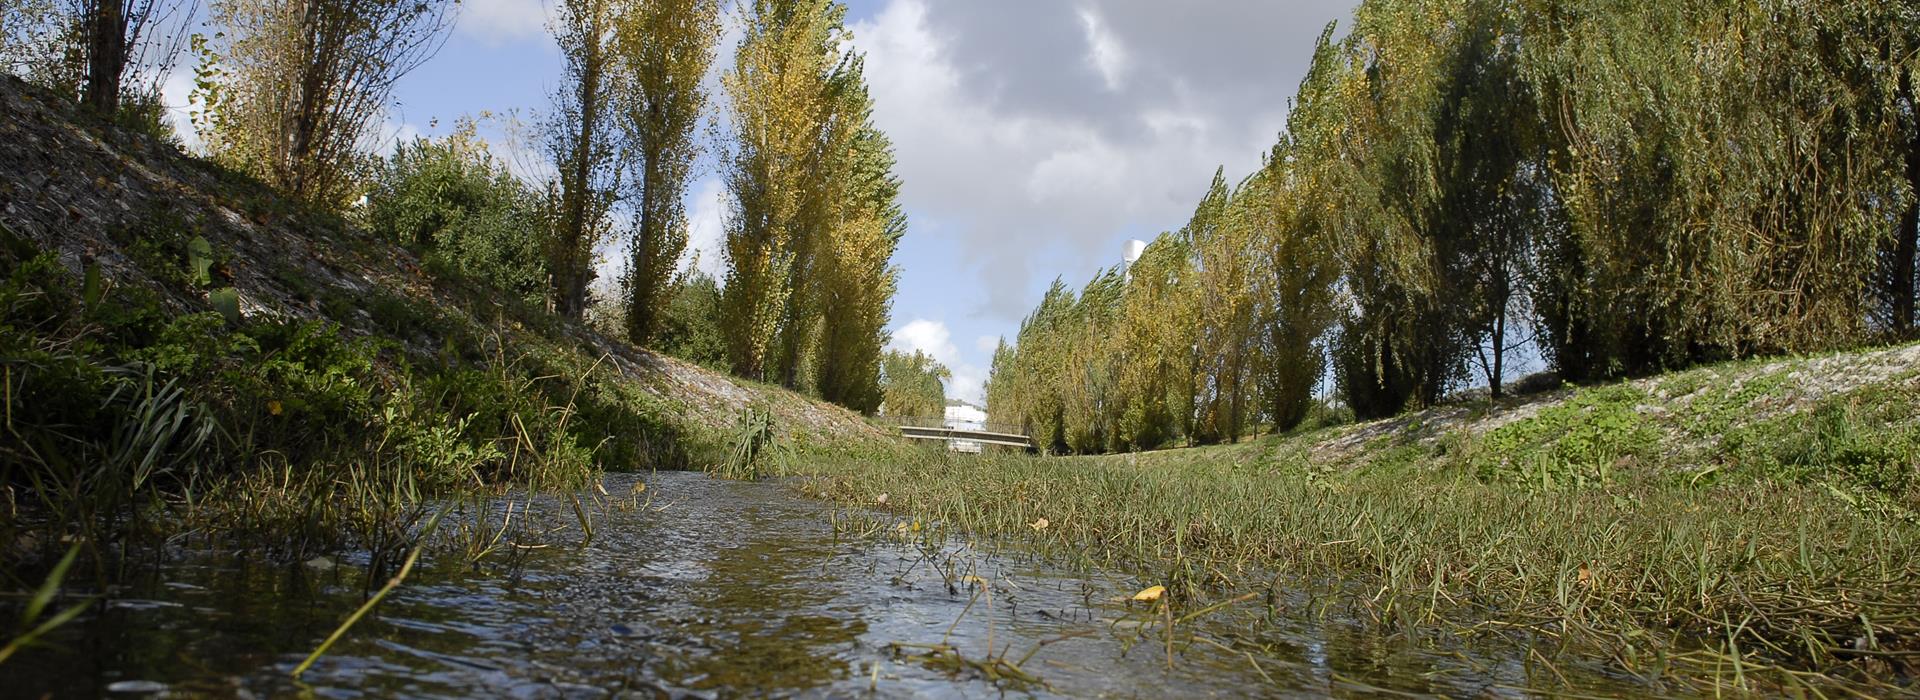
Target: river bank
<point>1743,527</point>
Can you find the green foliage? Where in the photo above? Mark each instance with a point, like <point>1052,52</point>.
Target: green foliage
<point>913,385</point>
<point>1583,441</point>
<point>1865,443</point>
<point>459,207</point>
<point>691,329</point>
<point>120,408</point>
<point>145,112</point>
<point>753,448</point>
<point>810,284</point>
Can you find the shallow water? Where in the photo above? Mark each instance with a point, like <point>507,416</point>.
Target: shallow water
<point>721,589</point>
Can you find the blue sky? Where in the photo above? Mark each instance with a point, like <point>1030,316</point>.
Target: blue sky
<point>1034,138</point>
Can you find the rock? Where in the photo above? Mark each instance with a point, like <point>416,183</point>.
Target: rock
<point>137,687</point>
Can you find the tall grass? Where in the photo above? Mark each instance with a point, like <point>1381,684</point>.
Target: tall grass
<point>1650,571</point>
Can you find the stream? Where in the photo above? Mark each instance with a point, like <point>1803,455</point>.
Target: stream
<point>707,588</point>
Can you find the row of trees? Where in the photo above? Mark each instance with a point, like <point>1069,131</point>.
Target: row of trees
<point>1627,187</point>
<point>293,91</point>
<point>814,213</point>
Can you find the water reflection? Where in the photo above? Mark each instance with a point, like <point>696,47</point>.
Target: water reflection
<point>720,589</point>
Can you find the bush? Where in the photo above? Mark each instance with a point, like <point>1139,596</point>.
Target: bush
<point>691,330</point>
<point>454,203</point>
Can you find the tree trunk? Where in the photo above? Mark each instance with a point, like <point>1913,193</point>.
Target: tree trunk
<point>1901,272</point>
<point>106,54</point>
<point>300,121</point>
<point>642,279</point>
<point>571,276</point>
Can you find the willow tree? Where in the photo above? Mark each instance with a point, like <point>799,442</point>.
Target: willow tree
<point>295,89</point>
<point>780,93</point>
<point>1731,173</point>
<point>665,47</point>
<point>1494,194</point>
<point>1365,137</point>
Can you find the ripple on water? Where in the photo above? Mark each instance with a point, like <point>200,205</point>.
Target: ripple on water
<point>713,589</point>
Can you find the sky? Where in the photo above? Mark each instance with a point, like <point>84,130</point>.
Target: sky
<point>1033,138</point>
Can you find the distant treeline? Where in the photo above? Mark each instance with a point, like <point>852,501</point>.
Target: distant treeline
<point>1629,187</point>
<point>295,92</point>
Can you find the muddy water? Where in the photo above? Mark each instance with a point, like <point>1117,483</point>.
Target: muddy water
<point>722,589</point>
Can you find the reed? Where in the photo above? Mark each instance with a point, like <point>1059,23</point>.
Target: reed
<point>1660,574</point>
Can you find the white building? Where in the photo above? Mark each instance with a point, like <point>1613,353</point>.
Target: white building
<point>965,416</point>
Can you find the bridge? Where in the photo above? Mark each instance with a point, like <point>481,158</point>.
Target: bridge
<point>960,433</point>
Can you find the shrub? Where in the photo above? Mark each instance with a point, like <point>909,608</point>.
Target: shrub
<point>459,207</point>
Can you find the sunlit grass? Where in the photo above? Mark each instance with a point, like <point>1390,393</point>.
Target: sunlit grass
<point>1624,556</point>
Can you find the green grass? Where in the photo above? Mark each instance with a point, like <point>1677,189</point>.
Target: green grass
<point>1796,557</point>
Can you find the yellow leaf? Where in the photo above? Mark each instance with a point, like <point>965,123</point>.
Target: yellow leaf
<point>639,486</point>
<point>273,408</point>
<point>881,500</point>
<point>1151,594</point>
<point>1040,524</point>
<point>974,579</point>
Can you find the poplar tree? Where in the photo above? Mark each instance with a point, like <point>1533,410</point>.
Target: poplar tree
<point>1295,270</point>
<point>779,91</point>
<point>666,47</point>
<point>1154,345</point>
<point>856,279</point>
<point>586,148</point>
<point>913,385</point>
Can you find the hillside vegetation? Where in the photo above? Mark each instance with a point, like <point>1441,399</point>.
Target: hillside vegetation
<point>178,338</point>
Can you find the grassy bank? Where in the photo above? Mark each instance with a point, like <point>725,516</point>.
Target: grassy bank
<point>185,355</point>
<point>1725,526</point>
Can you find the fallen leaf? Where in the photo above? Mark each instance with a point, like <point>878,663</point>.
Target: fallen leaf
<point>1150,594</point>
<point>1040,524</point>
<point>882,500</point>
<point>974,579</point>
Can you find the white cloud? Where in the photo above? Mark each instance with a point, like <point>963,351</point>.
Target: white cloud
<point>930,337</point>
<point>1043,156</point>
<point>987,343</point>
<point>499,22</point>
<point>933,338</point>
<point>1104,51</point>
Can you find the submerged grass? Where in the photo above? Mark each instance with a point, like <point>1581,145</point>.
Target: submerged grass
<point>1782,557</point>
